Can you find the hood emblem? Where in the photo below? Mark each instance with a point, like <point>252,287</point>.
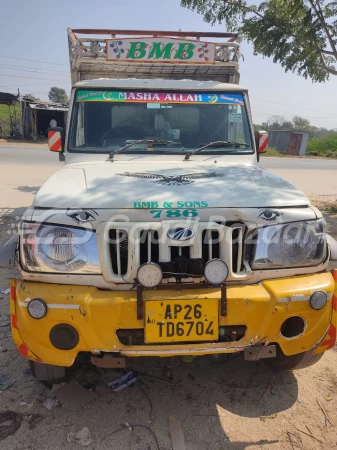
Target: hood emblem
<point>172,180</point>
<point>180,234</point>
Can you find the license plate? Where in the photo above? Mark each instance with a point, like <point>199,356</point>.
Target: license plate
<point>181,321</point>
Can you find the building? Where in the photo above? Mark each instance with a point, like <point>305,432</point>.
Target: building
<point>292,143</point>
<point>36,117</point>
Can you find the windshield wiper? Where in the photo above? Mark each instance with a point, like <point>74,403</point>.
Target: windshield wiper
<point>141,141</point>
<point>215,144</point>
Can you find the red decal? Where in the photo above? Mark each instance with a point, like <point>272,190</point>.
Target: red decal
<point>14,322</point>
<point>334,303</point>
<point>23,350</point>
<point>13,292</point>
<point>332,334</point>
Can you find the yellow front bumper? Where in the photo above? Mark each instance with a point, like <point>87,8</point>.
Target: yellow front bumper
<point>97,315</point>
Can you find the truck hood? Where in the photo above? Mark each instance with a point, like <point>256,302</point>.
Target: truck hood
<point>166,184</point>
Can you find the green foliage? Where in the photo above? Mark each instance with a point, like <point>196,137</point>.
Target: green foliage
<point>322,142</point>
<point>5,122</point>
<point>301,124</point>
<point>301,35</point>
<point>257,127</point>
<point>277,123</point>
<point>58,95</point>
<point>272,152</point>
<point>325,146</point>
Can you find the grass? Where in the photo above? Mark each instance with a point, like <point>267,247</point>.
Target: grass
<point>326,146</point>
<point>331,207</point>
<point>272,152</point>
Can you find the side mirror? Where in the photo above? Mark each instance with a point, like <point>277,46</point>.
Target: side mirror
<point>56,139</point>
<point>262,141</point>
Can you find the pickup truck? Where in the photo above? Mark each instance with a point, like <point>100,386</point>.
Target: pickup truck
<point>162,236</point>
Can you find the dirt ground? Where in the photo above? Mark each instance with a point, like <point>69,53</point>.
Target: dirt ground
<point>230,404</point>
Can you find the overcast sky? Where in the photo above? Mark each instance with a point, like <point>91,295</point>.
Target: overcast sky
<point>33,34</point>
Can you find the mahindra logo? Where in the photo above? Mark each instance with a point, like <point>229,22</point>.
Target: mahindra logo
<point>180,234</point>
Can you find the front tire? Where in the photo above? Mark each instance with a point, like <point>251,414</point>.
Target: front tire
<point>283,363</point>
<point>47,372</point>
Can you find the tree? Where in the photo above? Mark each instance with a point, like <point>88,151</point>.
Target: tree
<point>277,123</point>
<point>58,95</point>
<point>301,124</point>
<point>301,35</point>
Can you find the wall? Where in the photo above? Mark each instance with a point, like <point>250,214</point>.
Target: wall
<point>289,142</point>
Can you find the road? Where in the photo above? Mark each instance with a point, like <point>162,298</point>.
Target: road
<point>24,169</point>
<point>317,178</point>
<point>299,164</point>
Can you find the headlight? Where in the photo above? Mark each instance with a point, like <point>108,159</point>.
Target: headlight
<point>297,244</point>
<point>48,248</point>
<point>59,245</point>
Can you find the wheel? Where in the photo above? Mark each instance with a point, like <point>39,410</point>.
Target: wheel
<point>293,362</point>
<point>47,372</point>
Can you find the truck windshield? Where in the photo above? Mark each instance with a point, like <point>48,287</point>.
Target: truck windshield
<point>177,122</point>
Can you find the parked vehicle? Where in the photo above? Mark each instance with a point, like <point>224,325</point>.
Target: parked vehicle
<point>162,235</point>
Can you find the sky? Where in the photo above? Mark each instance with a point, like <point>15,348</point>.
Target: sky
<point>34,53</point>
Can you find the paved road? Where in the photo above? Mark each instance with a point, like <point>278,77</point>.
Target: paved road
<point>298,164</point>
<point>24,169</point>
<point>31,156</point>
<point>316,177</point>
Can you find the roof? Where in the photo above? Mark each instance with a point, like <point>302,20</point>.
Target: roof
<point>48,106</point>
<point>8,99</point>
<point>160,83</point>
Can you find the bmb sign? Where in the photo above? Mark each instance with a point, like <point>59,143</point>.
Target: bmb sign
<point>161,50</point>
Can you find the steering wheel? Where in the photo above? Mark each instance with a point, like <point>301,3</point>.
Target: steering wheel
<point>122,131</point>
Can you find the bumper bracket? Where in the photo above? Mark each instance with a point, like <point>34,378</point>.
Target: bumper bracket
<point>259,352</point>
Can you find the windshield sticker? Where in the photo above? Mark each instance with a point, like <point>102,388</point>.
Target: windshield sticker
<point>159,97</point>
<point>172,180</point>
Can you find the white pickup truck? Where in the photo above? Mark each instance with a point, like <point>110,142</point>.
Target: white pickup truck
<point>161,235</point>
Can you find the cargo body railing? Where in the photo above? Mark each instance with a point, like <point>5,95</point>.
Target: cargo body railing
<point>89,58</point>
